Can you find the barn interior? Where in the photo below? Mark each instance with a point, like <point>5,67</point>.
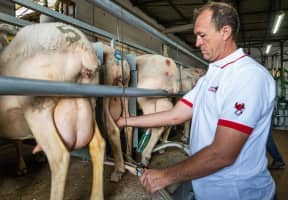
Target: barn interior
<point>137,27</point>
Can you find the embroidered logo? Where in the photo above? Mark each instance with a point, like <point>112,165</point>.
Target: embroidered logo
<point>239,108</point>
<point>213,89</point>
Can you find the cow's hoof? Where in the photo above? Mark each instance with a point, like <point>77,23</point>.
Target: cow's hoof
<point>40,157</point>
<point>22,172</point>
<point>116,176</point>
<point>184,139</point>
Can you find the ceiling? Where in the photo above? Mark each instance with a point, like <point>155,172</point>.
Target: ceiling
<point>256,18</point>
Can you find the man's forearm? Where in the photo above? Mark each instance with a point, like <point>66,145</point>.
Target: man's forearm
<point>203,163</point>
<point>176,115</point>
<point>149,120</point>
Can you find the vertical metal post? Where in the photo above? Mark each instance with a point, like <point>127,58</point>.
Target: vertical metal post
<point>131,59</point>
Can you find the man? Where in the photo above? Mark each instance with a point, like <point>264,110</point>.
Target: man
<point>231,106</point>
<point>272,149</point>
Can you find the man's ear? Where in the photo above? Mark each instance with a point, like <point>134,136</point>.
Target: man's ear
<point>226,32</point>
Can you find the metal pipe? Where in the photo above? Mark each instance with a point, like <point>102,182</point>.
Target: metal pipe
<point>182,146</point>
<point>76,22</point>
<point>121,13</point>
<point>13,20</point>
<point>21,86</point>
<point>67,19</point>
<point>20,22</point>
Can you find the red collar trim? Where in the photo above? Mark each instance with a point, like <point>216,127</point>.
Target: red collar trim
<point>233,61</point>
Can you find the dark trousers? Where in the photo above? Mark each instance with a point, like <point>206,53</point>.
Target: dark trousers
<point>272,147</point>
<point>184,192</point>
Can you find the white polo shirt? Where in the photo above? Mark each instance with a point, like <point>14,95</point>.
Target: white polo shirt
<point>236,92</point>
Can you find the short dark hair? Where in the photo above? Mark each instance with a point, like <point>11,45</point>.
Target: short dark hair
<point>223,14</point>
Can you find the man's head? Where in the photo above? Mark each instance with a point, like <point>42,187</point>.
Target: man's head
<point>216,27</point>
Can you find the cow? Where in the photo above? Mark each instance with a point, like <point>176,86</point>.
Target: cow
<point>56,52</point>
<point>159,72</point>
<point>116,73</point>
<point>156,72</point>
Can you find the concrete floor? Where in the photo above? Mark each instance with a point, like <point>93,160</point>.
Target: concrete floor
<point>36,185</point>
<point>281,175</point>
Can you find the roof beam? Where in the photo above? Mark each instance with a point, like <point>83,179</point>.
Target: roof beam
<point>178,11</point>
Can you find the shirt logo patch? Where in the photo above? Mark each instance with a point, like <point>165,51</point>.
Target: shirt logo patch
<point>239,108</point>
<point>213,89</point>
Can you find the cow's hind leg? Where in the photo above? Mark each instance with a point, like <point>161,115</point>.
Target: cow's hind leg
<point>185,136</point>
<point>161,104</point>
<point>97,149</point>
<point>147,152</point>
<point>128,133</point>
<point>43,128</point>
<point>21,168</point>
<point>164,138</point>
<point>113,132</point>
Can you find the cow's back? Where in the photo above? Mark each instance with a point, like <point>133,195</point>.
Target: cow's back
<point>189,77</point>
<point>44,37</point>
<point>157,72</point>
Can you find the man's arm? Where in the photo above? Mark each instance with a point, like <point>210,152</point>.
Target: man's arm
<point>178,114</point>
<point>221,153</point>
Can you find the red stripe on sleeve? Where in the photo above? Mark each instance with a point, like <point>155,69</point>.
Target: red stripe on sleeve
<point>240,127</point>
<point>188,103</point>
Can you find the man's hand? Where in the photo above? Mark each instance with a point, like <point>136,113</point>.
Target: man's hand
<point>121,122</point>
<point>154,180</point>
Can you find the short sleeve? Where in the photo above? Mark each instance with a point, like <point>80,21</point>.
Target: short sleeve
<point>245,99</point>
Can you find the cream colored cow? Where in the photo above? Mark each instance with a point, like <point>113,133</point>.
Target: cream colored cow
<point>156,72</point>
<point>57,52</point>
<point>116,73</point>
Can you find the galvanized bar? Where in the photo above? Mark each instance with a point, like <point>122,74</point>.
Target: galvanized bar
<point>76,22</point>
<point>91,28</point>
<point>21,86</point>
<point>13,20</point>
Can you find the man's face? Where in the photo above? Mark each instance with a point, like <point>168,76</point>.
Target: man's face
<point>208,39</point>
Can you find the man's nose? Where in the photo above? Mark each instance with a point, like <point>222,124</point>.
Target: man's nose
<point>198,41</point>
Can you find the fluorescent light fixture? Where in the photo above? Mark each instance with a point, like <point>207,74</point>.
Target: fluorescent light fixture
<point>268,48</point>
<point>279,18</point>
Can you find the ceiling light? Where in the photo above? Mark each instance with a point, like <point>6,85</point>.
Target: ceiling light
<point>268,48</point>
<point>277,22</point>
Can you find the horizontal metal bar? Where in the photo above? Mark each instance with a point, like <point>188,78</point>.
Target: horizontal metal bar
<point>76,22</point>
<point>93,29</point>
<point>19,22</point>
<point>13,20</point>
<point>29,87</point>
